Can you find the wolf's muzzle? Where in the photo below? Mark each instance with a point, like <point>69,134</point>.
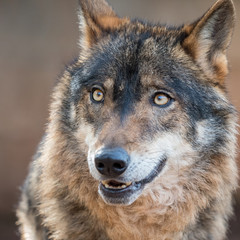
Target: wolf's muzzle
<point>112,162</point>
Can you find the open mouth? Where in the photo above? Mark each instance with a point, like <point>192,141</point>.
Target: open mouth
<point>114,185</point>
<point>125,193</point>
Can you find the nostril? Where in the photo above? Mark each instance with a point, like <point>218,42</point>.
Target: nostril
<point>100,165</point>
<point>118,166</point>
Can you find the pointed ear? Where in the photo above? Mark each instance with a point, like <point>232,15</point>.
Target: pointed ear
<point>209,38</point>
<point>96,17</point>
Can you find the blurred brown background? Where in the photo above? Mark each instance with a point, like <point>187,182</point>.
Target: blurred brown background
<point>37,39</point>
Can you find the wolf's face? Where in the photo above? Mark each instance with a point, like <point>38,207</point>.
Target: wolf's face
<point>145,102</point>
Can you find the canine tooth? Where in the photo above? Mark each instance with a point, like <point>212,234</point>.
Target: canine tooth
<point>104,182</point>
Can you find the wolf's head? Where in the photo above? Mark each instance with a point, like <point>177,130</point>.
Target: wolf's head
<point>146,104</point>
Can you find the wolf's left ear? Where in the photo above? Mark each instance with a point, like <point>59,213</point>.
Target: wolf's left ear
<point>96,18</point>
<point>209,38</point>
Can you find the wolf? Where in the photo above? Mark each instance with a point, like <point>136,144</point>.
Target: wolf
<point>141,137</point>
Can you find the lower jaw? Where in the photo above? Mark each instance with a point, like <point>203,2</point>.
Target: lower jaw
<point>124,196</point>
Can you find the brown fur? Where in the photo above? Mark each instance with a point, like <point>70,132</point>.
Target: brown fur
<point>191,197</point>
<point>199,44</point>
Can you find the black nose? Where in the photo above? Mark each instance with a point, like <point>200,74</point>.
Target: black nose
<point>112,162</point>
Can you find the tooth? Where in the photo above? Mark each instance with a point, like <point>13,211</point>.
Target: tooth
<point>124,185</point>
<point>105,182</point>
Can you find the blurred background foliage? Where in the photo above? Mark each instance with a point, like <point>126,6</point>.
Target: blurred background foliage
<point>37,39</point>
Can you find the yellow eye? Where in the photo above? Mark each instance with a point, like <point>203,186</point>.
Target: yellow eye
<point>161,99</point>
<point>97,95</point>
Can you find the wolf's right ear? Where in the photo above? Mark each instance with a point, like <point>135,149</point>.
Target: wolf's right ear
<point>96,18</point>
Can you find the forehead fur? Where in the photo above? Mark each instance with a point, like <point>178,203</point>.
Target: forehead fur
<point>136,49</point>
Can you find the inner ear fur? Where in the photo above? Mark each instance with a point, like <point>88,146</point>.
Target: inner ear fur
<point>209,37</point>
<point>96,18</point>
